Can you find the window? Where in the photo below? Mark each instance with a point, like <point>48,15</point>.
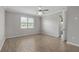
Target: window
<point>27,22</point>
<point>30,23</point>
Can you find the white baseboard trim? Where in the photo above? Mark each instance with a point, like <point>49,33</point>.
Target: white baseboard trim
<point>22,36</point>
<point>49,35</point>
<point>73,43</point>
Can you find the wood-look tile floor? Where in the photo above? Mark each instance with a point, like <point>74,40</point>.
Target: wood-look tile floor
<point>37,43</point>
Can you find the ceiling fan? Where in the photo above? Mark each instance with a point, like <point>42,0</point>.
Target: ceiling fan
<point>42,11</point>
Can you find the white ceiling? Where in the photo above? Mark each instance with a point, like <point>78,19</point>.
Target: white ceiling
<point>33,9</point>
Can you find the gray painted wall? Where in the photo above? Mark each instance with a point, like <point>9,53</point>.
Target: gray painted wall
<point>72,17</point>
<point>50,24</point>
<point>13,25</point>
<point>2,27</point>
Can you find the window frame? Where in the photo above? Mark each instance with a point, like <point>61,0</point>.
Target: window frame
<point>27,22</point>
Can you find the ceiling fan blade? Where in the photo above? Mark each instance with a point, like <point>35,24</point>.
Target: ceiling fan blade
<point>43,10</point>
<point>40,10</point>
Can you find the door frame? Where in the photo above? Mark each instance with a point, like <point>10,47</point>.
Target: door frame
<point>65,24</point>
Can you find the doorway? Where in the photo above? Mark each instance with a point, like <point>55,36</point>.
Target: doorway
<point>62,26</point>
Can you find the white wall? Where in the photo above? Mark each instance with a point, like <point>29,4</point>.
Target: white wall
<point>72,17</point>
<point>2,27</point>
<point>50,25</point>
<point>13,25</point>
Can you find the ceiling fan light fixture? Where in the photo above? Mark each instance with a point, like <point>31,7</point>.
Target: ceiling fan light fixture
<point>39,8</point>
<point>40,13</point>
